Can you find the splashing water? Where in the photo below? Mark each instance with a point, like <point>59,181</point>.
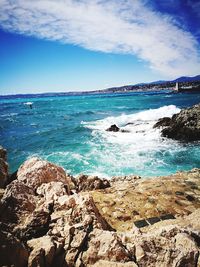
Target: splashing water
<point>70,131</point>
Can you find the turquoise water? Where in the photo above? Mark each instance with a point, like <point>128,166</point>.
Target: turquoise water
<point>70,131</point>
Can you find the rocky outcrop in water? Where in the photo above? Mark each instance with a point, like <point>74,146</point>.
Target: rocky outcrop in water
<point>183,126</point>
<point>47,219</point>
<point>113,128</point>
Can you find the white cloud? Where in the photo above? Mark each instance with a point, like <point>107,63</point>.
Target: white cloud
<point>127,26</point>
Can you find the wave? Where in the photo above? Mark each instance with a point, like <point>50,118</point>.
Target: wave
<point>144,117</point>
<point>139,148</point>
<point>9,115</point>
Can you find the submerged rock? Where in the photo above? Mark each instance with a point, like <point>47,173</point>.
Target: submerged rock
<point>183,126</point>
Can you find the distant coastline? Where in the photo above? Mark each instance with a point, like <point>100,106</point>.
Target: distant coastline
<point>141,87</point>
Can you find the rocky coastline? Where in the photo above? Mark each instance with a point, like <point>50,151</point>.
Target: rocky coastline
<point>49,218</point>
<point>184,126</point>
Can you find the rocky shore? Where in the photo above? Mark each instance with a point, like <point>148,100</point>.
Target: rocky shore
<point>184,126</point>
<point>49,218</point>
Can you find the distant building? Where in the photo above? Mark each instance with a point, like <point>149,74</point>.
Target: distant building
<point>177,87</point>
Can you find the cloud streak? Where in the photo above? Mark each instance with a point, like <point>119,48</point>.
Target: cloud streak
<point>129,27</point>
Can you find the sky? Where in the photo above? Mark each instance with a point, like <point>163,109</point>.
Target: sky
<point>82,45</point>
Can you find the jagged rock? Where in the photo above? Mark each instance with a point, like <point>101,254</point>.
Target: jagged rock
<point>75,230</point>
<point>82,211</point>
<point>88,183</point>
<point>166,246</point>
<point>18,202</point>
<point>73,219</point>
<point>105,245</point>
<point>3,167</point>
<point>183,126</point>
<point>113,128</point>
<point>43,251</point>
<point>35,172</point>
<point>163,122</point>
<point>36,225</point>
<point>52,191</point>
<point>12,251</point>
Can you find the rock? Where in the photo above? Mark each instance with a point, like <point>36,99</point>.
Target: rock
<point>38,216</point>
<point>83,211</point>
<point>163,122</point>
<point>88,183</point>
<point>18,202</point>
<point>104,263</point>
<point>35,172</point>
<point>36,225</point>
<point>3,167</point>
<point>11,177</point>
<point>43,251</point>
<point>131,198</point>
<point>105,245</point>
<point>113,128</point>
<point>52,191</point>
<point>3,153</point>
<point>12,251</point>
<point>183,126</point>
<point>166,246</point>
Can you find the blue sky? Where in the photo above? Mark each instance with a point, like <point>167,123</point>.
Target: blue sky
<point>65,45</point>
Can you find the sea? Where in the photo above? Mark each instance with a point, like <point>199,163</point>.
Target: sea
<point>71,131</point>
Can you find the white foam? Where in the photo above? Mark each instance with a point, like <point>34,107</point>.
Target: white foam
<point>28,103</point>
<point>136,148</point>
<point>150,115</point>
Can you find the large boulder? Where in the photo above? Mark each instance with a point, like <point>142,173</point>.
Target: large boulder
<point>3,167</point>
<point>18,202</point>
<point>183,126</point>
<point>35,172</point>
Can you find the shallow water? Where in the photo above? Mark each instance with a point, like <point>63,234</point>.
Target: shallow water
<point>70,131</point>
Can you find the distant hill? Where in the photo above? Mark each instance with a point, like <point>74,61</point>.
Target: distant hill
<point>180,79</point>
<point>187,79</point>
<point>156,85</point>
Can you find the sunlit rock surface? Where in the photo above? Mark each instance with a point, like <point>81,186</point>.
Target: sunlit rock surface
<point>47,218</point>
